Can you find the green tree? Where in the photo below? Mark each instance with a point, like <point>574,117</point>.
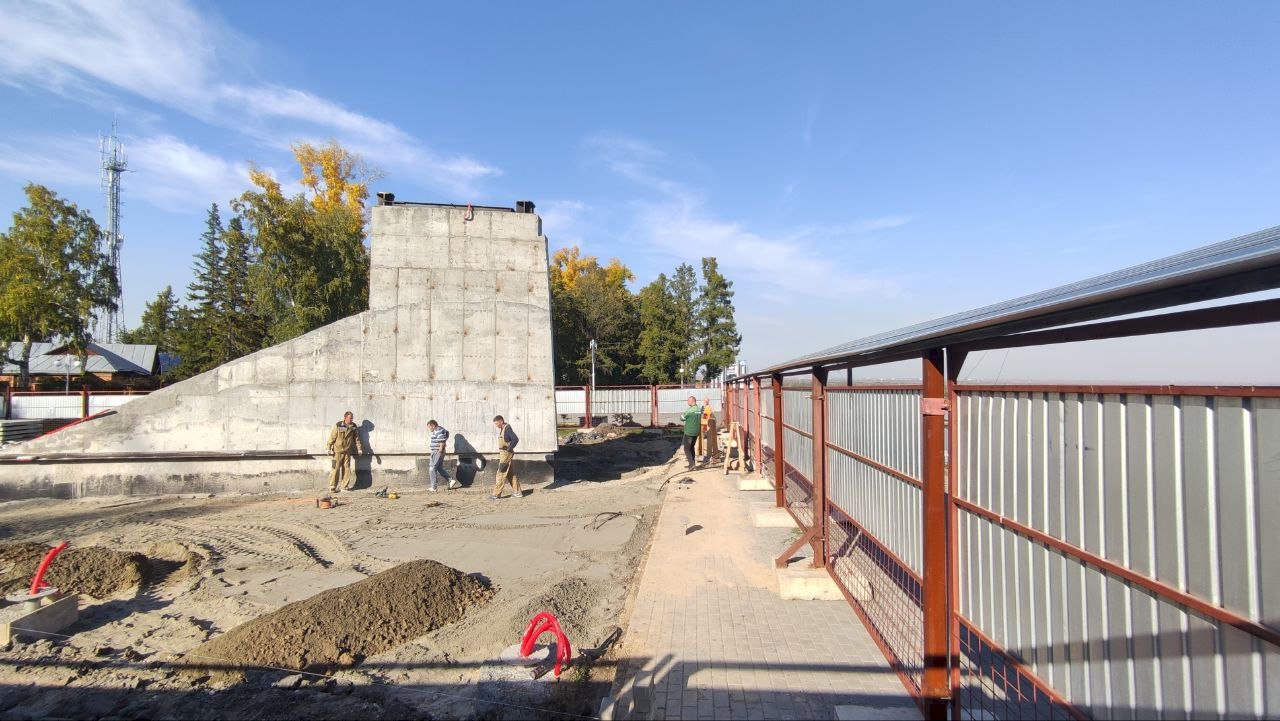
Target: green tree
<point>592,302</point>
<point>159,323</point>
<point>243,328</point>
<point>684,286</point>
<point>312,266</point>
<point>198,339</point>
<point>715,330</point>
<point>662,346</point>
<point>54,275</point>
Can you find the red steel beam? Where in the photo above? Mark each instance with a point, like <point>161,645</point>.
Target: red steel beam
<point>653,406</point>
<point>1163,590</point>
<point>935,685</point>
<point>878,466</point>
<point>806,434</point>
<point>778,480</point>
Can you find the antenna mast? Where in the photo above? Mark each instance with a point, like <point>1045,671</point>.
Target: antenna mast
<point>108,329</point>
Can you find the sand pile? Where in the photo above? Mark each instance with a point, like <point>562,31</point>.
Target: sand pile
<point>92,570</point>
<point>342,626</point>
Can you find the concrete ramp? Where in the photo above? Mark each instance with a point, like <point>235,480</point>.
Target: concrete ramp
<point>458,329</point>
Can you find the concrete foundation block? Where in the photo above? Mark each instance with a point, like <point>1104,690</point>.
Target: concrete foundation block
<point>766,515</point>
<point>47,617</point>
<point>754,484</point>
<point>801,583</point>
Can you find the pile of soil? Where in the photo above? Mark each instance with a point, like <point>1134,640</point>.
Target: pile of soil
<point>92,570</point>
<point>573,602</point>
<point>343,626</point>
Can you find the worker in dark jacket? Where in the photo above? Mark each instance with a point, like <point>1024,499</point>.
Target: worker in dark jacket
<point>344,443</point>
<point>507,440</point>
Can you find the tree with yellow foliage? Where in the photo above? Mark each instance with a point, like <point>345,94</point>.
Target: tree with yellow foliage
<point>312,266</point>
<point>592,302</point>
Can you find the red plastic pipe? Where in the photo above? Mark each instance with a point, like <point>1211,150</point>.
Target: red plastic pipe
<point>539,625</point>
<point>37,581</point>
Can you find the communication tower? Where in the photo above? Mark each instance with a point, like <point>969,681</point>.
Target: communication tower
<point>107,329</point>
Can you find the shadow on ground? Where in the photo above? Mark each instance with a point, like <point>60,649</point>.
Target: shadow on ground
<point>611,459</point>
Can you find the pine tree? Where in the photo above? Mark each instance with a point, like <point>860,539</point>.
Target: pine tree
<point>243,329</point>
<point>684,284</point>
<point>199,339</point>
<point>661,348</point>
<point>159,323</point>
<point>715,329</point>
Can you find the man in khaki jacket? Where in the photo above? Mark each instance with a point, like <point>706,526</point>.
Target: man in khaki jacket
<point>344,442</point>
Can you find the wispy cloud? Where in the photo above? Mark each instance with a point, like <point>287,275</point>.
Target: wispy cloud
<point>171,54</point>
<point>562,222</point>
<point>178,176</point>
<point>812,112</point>
<point>675,220</point>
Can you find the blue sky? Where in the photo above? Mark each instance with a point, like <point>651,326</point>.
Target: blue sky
<point>855,166</point>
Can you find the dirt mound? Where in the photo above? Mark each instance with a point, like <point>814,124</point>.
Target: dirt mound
<point>342,626</point>
<point>573,602</point>
<point>92,570</point>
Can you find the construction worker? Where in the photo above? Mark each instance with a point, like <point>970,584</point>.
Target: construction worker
<point>344,442</point>
<point>708,431</point>
<point>439,436</point>
<point>692,418</point>
<point>507,440</point>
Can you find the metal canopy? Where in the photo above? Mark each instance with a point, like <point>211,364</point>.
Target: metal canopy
<point>1241,265</point>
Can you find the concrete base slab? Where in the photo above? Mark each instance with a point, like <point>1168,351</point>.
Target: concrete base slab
<point>754,484</point>
<point>807,584</point>
<point>50,617</point>
<point>854,712</point>
<point>767,515</point>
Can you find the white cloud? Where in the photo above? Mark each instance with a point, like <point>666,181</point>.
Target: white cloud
<point>171,54</point>
<point>60,161</point>
<point>177,176</point>
<point>562,222</point>
<point>678,223</point>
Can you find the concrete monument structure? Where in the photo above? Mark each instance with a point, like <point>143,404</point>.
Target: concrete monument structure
<point>458,329</point>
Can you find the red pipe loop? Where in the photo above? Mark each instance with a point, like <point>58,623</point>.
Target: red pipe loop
<point>541,623</point>
<point>37,581</point>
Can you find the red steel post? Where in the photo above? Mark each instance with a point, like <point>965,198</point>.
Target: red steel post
<point>819,396</point>
<point>779,476</point>
<point>590,420</point>
<point>756,452</point>
<point>84,401</point>
<point>935,686</point>
<point>653,406</point>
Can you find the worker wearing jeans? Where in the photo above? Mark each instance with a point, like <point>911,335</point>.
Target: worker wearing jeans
<point>507,440</point>
<point>692,418</point>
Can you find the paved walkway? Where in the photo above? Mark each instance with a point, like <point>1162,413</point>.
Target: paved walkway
<point>712,638</point>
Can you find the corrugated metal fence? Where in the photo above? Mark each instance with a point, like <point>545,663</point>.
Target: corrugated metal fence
<point>652,406</point>
<point>1113,550</point>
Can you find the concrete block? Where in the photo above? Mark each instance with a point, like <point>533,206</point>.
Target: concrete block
<point>479,286</point>
<point>511,286</point>
<point>48,617</point>
<point>479,345</point>
<point>271,370</point>
<point>446,340</point>
<point>477,227</point>
<point>515,225</point>
<point>749,483</point>
<point>766,515</point>
<point>447,286</point>
<point>468,253</point>
<point>511,361</point>
<point>801,583</point>
<point>382,287</point>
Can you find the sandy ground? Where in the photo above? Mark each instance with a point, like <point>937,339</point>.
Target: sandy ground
<point>571,547</point>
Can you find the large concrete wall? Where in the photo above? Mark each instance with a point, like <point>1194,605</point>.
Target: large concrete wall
<point>458,329</point>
